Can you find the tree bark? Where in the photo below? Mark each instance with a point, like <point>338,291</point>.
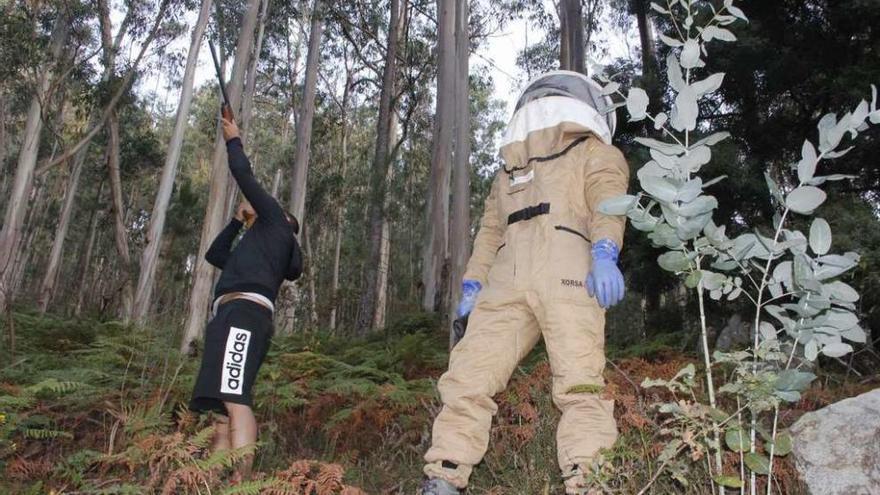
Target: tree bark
<point>247,105</point>
<point>276,182</point>
<point>4,148</point>
<point>312,275</point>
<point>203,276</point>
<point>150,256</point>
<point>47,288</point>
<point>379,175</point>
<point>382,284</point>
<point>340,210</point>
<point>121,232</point>
<point>300,172</point>
<point>435,250</point>
<point>86,261</point>
<point>385,246</point>
<point>571,36</point>
<point>459,235</point>
<point>650,68</point>
<point>10,236</point>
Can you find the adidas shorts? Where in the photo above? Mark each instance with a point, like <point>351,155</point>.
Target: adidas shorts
<point>236,342</point>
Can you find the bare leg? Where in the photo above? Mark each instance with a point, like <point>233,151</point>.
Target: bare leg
<point>242,432</point>
<point>221,434</point>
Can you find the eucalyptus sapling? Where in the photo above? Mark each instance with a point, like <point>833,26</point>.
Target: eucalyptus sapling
<point>801,308</point>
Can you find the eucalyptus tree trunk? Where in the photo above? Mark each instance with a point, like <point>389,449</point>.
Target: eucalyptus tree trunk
<point>300,172</point>
<point>86,261</point>
<point>385,246</point>
<point>340,210</point>
<point>203,276</point>
<point>32,223</point>
<point>276,182</point>
<point>150,256</point>
<point>247,105</point>
<point>109,49</point>
<point>311,275</point>
<point>571,36</point>
<point>379,174</point>
<point>16,205</point>
<point>437,208</point>
<point>121,232</point>
<point>460,224</point>
<point>47,287</point>
<point>650,68</point>
<point>4,146</point>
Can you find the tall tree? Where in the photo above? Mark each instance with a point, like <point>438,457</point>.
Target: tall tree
<point>650,68</point>
<point>16,206</point>
<point>340,209</point>
<point>300,171</point>
<point>203,276</point>
<point>47,287</point>
<point>571,36</point>
<point>379,172</point>
<point>435,249</point>
<point>109,49</point>
<point>150,256</point>
<point>459,228</point>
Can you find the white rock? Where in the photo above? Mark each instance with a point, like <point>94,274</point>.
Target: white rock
<point>837,448</point>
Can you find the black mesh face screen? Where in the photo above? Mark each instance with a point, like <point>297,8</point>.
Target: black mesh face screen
<point>562,85</point>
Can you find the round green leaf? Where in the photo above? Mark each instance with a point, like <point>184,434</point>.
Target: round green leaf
<point>659,188</point>
<point>619,205</point>
<point>782,445</point>
<point>820,236</point>
<point>686,110</point>
<point>837,350</point>
<point>673,261</point>
<point>757,463</point>
<point>690,54</point>
<point>736,440</point>
<point>805,199</point>
<point>729,481</point>
<point>843,291</point>
<point>637,104</point>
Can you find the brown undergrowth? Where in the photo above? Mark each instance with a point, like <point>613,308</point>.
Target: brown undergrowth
<point>107,415</point>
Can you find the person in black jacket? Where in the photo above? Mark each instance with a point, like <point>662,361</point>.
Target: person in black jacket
<point>238,336</point>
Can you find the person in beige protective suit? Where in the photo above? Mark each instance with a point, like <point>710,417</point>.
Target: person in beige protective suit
<point>544,264</point>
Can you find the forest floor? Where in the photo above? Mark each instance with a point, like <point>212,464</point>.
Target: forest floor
<point>98,407</point>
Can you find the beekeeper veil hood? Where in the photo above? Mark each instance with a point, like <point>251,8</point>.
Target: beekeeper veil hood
<point>559,97</point>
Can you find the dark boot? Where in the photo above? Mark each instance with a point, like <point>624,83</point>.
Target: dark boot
<point>438,487</point>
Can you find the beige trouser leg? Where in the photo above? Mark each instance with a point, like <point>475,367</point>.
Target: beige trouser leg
<point>501,331</point>
<point>575,338</point>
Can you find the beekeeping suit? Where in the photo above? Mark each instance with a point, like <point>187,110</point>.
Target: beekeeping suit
<point>532,275</point>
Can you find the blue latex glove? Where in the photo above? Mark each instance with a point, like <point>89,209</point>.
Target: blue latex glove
<point>605,282</point>
<point>469,291</point>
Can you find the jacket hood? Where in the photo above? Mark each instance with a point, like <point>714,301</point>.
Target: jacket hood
<point>542,127</point>
<point>554,108</point>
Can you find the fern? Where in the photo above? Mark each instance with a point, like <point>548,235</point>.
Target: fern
<point>203,438</point>
<point>55,386</point>
<point>42,434</point>
<point>225,459</point>
<point>256,487</point>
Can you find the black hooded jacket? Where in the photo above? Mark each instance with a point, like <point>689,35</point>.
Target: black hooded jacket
<point>268,252</point>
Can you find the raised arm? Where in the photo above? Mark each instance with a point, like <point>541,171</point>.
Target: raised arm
<point>264,204</point>
<point>220,249</point>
